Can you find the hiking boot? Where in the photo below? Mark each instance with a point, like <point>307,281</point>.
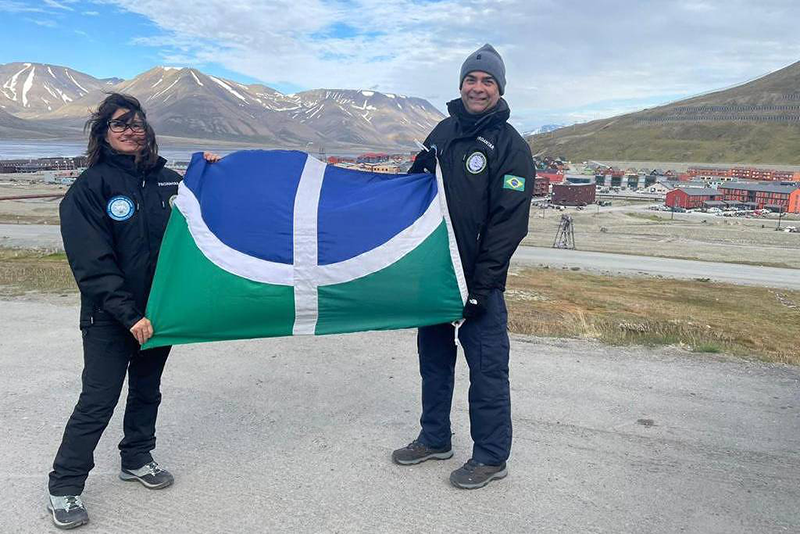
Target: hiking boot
<point>416,452</point>
<point>68,511</point>
<point>474,475</point>
<point>151,475</point>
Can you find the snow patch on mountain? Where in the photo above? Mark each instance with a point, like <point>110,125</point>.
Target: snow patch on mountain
<point>227,87</point>
<point>26,87</point>
<point>11,83</point>
<point>76,83</point>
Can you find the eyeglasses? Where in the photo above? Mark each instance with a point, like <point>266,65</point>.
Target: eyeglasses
<point>120,126</point>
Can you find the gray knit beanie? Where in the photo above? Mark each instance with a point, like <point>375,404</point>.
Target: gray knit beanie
<point>485,59</point>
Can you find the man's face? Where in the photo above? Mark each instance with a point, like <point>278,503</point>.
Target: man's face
<point>479,92</point>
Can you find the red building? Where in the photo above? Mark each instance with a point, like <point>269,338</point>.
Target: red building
<point>744,173</point>
<point>691,197</point>
<point>335,160</point>
<point>372,157</point>
<point>775,197</point>
<point>541,186</point>
<point>551,177</point>
<point>749,173</point>
<point>708,172</point>
<point>574,194</point>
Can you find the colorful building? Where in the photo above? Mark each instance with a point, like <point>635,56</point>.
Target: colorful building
<point>574,194</point>
<point>541,186</point>
<point>776,197</point>
<point>551,175</point>
<point>691,197</point>
<point>743,173</point>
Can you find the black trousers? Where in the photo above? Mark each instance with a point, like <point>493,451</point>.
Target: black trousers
<point>108,352</point>
<point>485,342</point>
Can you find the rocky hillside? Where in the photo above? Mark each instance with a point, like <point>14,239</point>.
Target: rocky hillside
<point>187,103</point>
<point>757,122</point>
<point>33,89</point>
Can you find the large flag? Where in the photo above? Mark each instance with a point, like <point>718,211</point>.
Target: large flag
<point>277,243</point>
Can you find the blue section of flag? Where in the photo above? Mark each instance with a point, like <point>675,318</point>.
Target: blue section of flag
<point>359,211</point>
<point>248,202</point>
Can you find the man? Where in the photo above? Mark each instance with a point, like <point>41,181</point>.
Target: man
<point>488,177</point>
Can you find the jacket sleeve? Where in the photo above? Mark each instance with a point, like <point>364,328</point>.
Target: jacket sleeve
<point>507,224</point>
<point>88,242</point>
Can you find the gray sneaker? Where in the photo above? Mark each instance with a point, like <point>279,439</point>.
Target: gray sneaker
<point>474,475</point>
<point>416,452</point>
<point>68,511</point>
<point>150,475</point>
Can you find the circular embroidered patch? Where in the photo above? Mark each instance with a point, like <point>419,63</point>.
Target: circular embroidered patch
<point>120,208</point>
<point>476,162</point>
<point>172,200</point>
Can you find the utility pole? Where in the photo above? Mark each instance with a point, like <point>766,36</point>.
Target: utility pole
<point>780,216</point>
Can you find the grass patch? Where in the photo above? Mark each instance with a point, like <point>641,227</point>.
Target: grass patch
<point>648,217</point>
<point>708,348</point>
<point>704,317</point>
<point>23,271</point>
<point>626,139</point>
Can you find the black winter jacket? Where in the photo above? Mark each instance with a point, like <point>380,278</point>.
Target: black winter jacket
<point>488,175</point>
<point>112,221</point>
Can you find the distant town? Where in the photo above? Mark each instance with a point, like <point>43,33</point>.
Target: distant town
<point>724,191</point>
<point>64,170</point>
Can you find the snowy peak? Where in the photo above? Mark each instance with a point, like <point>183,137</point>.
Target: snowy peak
<point>30,89</point>
<point>198,104</point>
<point>546,128</point>
<point>398,118</point>
<point>186,102</point>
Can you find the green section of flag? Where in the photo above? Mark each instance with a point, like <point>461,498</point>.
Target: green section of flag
<point>419,289</point>
<point>193,300</point>
<point>515,183</point>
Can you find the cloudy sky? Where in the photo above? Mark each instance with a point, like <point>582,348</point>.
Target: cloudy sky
<point>567,60</point>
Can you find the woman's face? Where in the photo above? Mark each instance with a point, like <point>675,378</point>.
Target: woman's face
<point>126,137</point>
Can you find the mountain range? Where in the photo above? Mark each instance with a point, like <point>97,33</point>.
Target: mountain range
<point>756,122</point>
<point>545,128</point>
<point>49,101</point>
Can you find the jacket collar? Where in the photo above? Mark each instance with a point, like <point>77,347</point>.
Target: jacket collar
<point>128,163</point>
<point>469,124</point>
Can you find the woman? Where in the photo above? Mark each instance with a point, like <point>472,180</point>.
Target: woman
<point>112,221</point>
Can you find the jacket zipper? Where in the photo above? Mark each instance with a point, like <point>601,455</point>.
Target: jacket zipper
<point>143,213</point>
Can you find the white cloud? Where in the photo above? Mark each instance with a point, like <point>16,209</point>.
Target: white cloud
<point>58,5</point>
<point>13,6</point>
<point>44,22</point>
<point>91,13</point>
<point>559,55</point>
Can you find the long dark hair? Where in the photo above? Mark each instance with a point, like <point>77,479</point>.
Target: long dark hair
<point>97,127</point>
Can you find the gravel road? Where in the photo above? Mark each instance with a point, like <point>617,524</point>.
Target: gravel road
<point>294,435</point>
<point>47,236</point>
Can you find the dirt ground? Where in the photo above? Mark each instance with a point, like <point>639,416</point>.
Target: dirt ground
<point>624,228</point>
<point>636,230</point>
<point>32,211</point>
<point>294,434</point>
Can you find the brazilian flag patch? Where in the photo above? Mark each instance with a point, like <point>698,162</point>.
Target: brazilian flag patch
<point>515,183</point>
